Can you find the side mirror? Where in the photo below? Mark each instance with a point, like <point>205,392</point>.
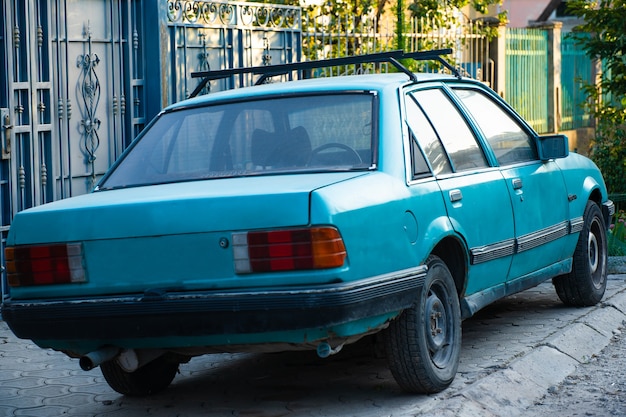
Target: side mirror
<point>552,147</point>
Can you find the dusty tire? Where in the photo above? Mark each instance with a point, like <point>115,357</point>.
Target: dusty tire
<point>586,283</point>
<point>423,344</point>
<point>149,379</point>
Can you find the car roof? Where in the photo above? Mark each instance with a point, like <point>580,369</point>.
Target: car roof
<point>359,82</point>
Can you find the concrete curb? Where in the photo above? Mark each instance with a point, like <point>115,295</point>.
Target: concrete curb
<point>617,265</point>
<point>527,379</point>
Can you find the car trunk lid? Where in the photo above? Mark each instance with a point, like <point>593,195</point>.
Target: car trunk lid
<point>174,237</point>
<point>173,209</point>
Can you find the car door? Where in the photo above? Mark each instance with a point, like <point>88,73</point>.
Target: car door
<point>537,188</point>
<point>475,195</point>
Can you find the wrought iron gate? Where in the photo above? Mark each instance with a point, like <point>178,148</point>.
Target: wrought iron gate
<point>5,133</point>
<point>207,35</point>
<point>67,89</point>
<point>80,79</point>
<point>70,70</point>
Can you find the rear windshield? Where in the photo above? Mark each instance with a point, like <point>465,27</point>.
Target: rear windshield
<point>257,137</point>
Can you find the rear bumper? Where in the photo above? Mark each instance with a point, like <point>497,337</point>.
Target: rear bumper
<point>162,314</point>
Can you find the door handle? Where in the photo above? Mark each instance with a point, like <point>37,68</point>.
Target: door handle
<point>517,183</point>
<point>6,140</point>
<point>455,195</point>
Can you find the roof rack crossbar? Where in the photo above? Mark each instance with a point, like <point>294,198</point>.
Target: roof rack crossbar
<point>404,69</point>
<point>264,77</point>
<point>268,71</point>
<point>435,55</point>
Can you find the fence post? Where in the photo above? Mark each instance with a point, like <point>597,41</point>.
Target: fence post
<point>497,56</point>
<point>553,30</point>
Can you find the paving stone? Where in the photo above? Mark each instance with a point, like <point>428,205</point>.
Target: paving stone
<point>70,400</point>
<point>19,401</point>
<point>46,391</point>
<point>46,411</point>
<point>22,382</point>
<point>6,374</point>
<point>6,411</point>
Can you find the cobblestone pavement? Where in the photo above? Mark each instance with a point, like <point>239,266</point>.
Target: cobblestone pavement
<point>355,382</point>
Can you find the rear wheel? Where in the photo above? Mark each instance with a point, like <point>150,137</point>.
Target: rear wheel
<point>586,283</point>
<point>151,378</point>
<point>424,343</point>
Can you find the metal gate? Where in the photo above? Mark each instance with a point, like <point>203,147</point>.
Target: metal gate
<point>206,35</point>
<point>81,78</point>
<point>70,68</point>
<point>67,93</point>
<point>527,75</point>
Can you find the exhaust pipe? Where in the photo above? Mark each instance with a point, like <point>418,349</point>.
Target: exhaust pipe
<point>324,350</point>
<point>130,359</point>
<point>95,358</point>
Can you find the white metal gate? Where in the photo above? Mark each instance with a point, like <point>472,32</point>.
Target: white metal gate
<point>72,96</point>
<point>67,93</point>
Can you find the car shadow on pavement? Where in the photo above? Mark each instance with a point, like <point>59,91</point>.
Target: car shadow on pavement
<point>287,374</point>
<point>276,384</point>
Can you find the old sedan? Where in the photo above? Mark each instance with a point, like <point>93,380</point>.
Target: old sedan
<point>307,215</point>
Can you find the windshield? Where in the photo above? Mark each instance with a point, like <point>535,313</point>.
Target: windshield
<point>279,135</point>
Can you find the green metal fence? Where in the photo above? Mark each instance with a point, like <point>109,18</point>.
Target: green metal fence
<point>527,75</point>
<point>576,71</point>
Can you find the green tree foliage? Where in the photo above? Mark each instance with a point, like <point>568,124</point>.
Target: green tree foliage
<point>424,17</point>
<point>444,14</point>
<point>439,11</point>
<point>603,37</point>
<point>429,16</point>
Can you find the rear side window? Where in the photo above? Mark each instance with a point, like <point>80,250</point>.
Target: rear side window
<point>510,143</point>
<point>454,133</point>
<point>423,132</point>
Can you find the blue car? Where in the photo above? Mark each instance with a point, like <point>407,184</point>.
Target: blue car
<point>306,215</point>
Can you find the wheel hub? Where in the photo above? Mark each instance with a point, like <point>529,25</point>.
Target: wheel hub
<point>437,326</point>
<point>592,252</point>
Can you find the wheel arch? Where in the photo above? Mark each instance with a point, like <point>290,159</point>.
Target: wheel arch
<point>453,253</point>
<point>607,213</point>
<point>596,196</point>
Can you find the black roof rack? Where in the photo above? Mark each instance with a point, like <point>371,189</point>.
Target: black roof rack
<point>267,71</point>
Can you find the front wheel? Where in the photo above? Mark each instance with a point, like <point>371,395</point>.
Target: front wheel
<point>151,378</point>
<point>586,283</point>
<point>423,344</point>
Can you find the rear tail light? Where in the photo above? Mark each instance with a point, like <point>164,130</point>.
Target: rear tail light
<point>288,250</point>
<point>44,264</point>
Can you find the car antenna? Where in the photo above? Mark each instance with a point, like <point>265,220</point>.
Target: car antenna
<point>305,67</point>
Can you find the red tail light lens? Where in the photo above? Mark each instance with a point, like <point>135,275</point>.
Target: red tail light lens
<point>45,264</point>
<point>288,250</point>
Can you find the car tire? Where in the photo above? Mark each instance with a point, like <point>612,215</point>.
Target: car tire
<point>586,283</point>
<point>151,378</point>
<point>423,344</point>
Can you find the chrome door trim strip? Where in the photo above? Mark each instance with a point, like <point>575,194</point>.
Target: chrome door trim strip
<point>543,236</point>
<point>491,252</point>
<point>523,243</point>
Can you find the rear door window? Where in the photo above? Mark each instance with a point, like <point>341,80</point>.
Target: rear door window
<point>452,130</point>
<point>423,132</point>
